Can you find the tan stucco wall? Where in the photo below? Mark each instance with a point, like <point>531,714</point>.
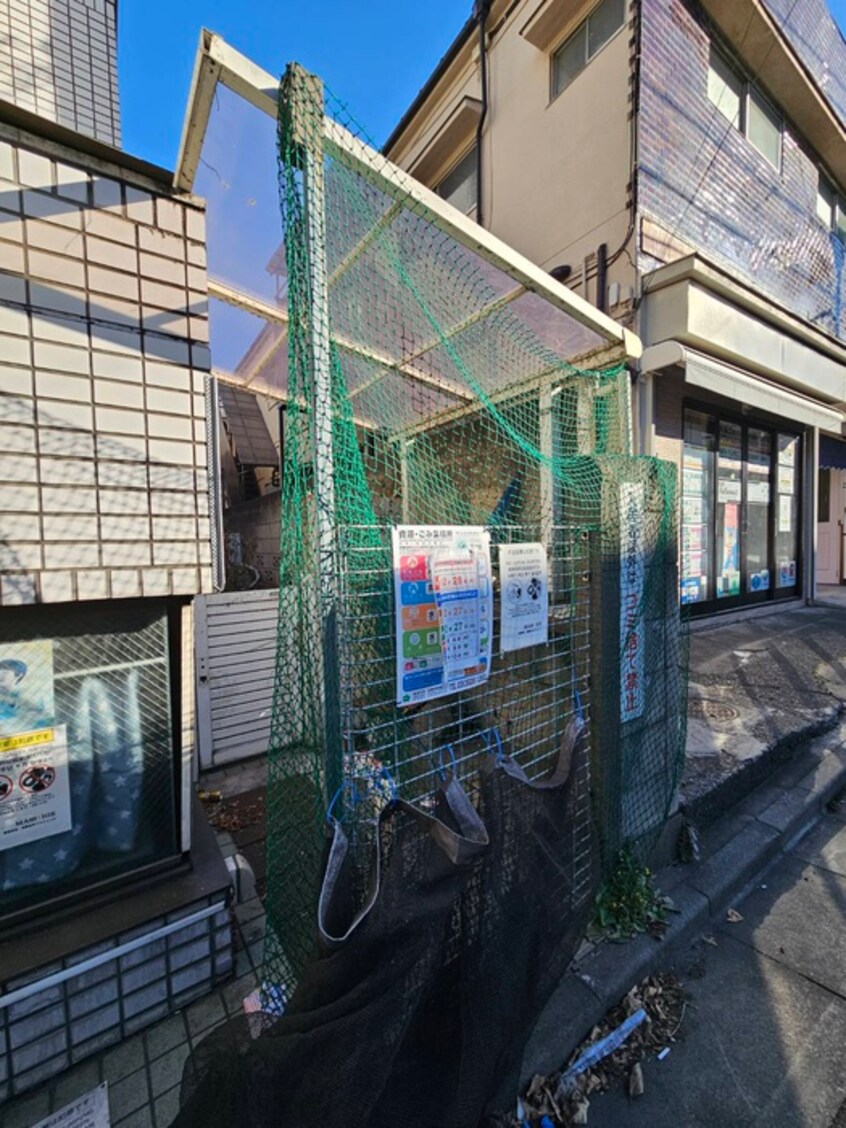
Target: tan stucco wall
<point>539,194</point>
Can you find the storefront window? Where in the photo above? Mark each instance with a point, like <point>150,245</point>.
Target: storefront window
<point>787,518</point>
<point>758,474</point>
<point>740,511</point>
<point>696,515</point>
<point>729,497</point>
<point>87,783</point>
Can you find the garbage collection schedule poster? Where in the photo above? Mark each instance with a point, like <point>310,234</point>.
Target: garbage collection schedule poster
<point>524,583</point>
<point>444,610</point>
<point>34,786</point>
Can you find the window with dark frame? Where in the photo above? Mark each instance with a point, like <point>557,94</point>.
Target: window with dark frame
<point>458,187</point>
<point>745,107</point>
<point>586,41</point>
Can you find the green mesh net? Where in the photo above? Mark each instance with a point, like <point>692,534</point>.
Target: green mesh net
<point>427,388</point>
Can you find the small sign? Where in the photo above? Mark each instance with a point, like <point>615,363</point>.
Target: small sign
<point>88,1111</point>
<point>524,583</point>
<point>34,786</point>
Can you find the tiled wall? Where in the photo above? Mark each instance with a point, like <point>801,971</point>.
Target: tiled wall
<point>65,1023</point>
<point>706,185</point>
<point>817,40</point>
<point>58,58</point>
<point>103,362</point>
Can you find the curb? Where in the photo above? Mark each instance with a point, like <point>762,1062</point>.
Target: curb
<point>737,849</point>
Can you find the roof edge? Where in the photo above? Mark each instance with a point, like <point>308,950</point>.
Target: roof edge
<point>431,82</point>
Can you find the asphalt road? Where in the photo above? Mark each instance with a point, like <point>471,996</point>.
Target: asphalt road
<point>764,1037</point>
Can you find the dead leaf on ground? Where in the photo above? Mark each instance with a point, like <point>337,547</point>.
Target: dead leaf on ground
<point>710,940</point>
<point>733,916</point>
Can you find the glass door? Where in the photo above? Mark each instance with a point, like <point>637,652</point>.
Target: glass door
<point>740,512</point>
<point>757,555</point>
<point>729,501</point>
<point>697,577</point>
<point>787,515</point>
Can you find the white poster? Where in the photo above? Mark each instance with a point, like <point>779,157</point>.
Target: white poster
<point>785,479</point>
<point>524,584</point>
<point>444,610</point>
<point>631,597</point>
<point>785,513</point>
<point>26,687</point>
<point>88,1111</point>
<point>34,786</point>
<point>728,489</point>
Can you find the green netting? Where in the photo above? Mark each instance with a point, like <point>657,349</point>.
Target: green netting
<point>425,387</point>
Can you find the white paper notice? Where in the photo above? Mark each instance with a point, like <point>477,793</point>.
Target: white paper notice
<point>88,1111</point>
<point>524,586</point>
<point>785,513</point>
<point>34,786</point>
<point>444,610</point>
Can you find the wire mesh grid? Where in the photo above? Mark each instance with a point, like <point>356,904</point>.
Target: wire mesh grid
<point>99,684</point>
<point>523,710</point>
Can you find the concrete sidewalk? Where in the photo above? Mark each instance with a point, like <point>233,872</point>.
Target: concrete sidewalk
<point>759,691</point>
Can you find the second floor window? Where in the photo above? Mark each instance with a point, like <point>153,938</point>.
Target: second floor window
<point>745,107</point>
<point>831,208</point>
<point>586,41</point>
<point>458,187</point>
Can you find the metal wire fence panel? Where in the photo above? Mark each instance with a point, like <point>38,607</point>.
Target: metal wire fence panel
<point>426,388</point>
<point>86,738</point>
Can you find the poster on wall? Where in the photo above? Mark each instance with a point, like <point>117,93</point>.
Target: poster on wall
<point>692,510</point>
<point>524,586</point>
<point>34,786</point>
<point>760,581</point>
<point>758,492</point>
<point>444,610</point>
<point>787,450</point>
<point>632,655</point>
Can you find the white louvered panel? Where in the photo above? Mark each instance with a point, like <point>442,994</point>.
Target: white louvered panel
<point>236,656</point>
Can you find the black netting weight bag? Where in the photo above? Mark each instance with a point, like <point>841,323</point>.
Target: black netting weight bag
<point>523,917</point>
<point>327,1060</point>
<point>512,937</point>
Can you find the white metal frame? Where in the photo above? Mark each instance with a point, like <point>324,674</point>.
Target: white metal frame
<point>217,62</point>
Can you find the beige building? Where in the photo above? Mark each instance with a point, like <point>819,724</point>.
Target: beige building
<point>681,167</point>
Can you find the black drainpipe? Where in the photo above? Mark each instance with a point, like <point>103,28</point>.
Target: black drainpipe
<point>481,8</point>
<point>602,277</point>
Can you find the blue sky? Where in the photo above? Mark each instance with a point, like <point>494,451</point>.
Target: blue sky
<point>374,55</point>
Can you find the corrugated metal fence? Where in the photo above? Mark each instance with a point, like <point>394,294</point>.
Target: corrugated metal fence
<point>236,655</point>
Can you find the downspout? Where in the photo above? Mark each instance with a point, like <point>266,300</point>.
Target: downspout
<point>633,132</point>
<point>481,8</point>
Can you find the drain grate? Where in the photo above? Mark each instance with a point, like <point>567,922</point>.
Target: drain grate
<point>711,710</point>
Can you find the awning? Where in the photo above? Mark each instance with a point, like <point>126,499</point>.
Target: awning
<point>756,391</point>
<point>832,453</point>
<point>247,427</point>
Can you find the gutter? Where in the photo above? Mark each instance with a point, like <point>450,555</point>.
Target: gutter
<point>431,82</point>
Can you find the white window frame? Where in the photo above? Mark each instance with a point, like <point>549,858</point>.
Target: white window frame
<point>582,27</point>
<point>748,92</point>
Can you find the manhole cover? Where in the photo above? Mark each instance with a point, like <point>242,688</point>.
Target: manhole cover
<point>712,710</point>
